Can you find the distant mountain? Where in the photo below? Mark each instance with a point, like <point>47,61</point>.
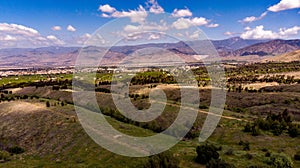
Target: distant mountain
<point>66,56</point>
<point>45,56</point>
<point>234,43</point>
<point>273,47</point>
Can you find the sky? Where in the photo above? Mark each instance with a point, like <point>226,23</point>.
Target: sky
<point>39,23</point>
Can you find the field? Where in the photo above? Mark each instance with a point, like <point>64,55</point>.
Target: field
<point>40,119</point>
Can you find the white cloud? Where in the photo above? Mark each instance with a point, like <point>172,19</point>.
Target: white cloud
<point>260,33</point>
<point>285,5</point>
<point>247,28</point>
<point>287,32</point>
<point>138,15</point>
<point>18,29</point>
<point>55,40</point>
<point>71,28</point>
<point>56,28</point>
<point>154,37</point>
<point>7,38</point>
<point>154,7</point>
<point>185,23</point>
<point>253,18</point>
<point>107,8</point>
<point>228,33</point>
<point>83,38</point>
<point>195,35</point>
<point>181,13</point>
<point>213,25</point>
<point>146,27</point>
<point>14,35</point>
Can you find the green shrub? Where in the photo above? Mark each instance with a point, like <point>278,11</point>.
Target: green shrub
<point>218,163</point>
<point>297,156</point>
<point>205,153</point>
<point>4,156</point>
<point>280,161</point>
<point>15,150</point>
<point>293,130</point>
<point>162,160</point>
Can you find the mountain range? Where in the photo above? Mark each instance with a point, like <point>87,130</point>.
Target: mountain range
<point>66,56</point>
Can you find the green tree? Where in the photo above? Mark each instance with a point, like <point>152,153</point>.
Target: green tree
<point>205,153</point>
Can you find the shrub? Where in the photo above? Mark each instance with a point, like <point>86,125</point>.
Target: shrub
<point>297,156</point>
<point>246,145</point>
<point>47,104</point>
<point>218,163</point>
<point>229,152</point>
<point>249,156</point>
<point>4,156</point>
<point>15,150</point>
<point>162,160</point>
<point>280,161</point>
<point>205,153</point>
<point>293,131</point>
<point>247,127</point>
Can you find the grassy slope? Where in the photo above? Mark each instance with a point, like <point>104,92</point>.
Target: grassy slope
<point>52,138</point>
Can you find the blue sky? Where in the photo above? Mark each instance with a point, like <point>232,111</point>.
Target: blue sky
<point>67,22</point>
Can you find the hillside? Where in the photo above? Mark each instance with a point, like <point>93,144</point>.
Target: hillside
<point>288,57</point>
<point>274,47</point>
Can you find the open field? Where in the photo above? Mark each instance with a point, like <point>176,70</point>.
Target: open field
<point>40,119</point>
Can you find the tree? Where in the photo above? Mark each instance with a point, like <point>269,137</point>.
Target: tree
<point>206,152</point>
<point>47,104</point>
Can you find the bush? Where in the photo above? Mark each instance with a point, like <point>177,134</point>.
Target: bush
<point>297,156</point>
<point>229,152</point>
<point>47,104</point>
<point>280,161</point>
<point>15,150</point>
<point>248,128</point>
<point>205,153</point>
<point>162,160</point>
<point>4,156</point>
<point>293,131</point>
<point>246,145</point>
<point>218,163</point>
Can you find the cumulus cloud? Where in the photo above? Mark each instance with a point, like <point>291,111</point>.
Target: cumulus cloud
<point>181,13</point>
<point>55,40</point>
<point>185,23</point>
<point>285,5</point>
<point>138,15</point>
<point>154,37</point>
<point>228,33</point>
<point>288,32</point>
<point>146,27</point>
<point>107,8</point>
<point>14,35</point>
<point>260,33</point>
<point>253,18</point>
<point>83,38</point>
<point>213,25</point>
<point>18,29</point>
<point>154,7</point>
<point>56,28</point>
<point>71,28</point>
